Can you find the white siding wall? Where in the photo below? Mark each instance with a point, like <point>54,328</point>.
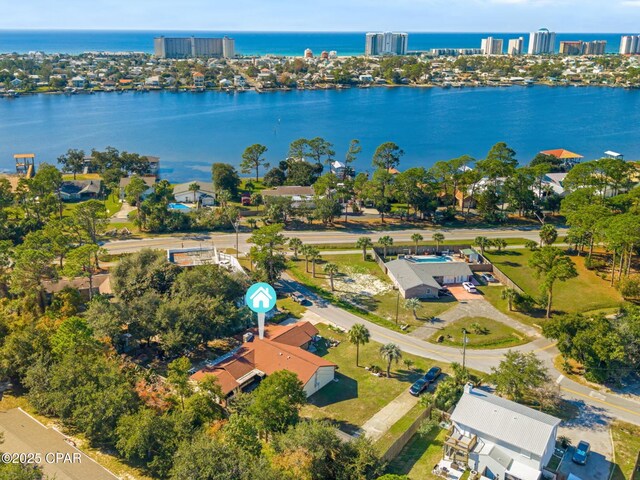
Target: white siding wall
<point>322,376</point>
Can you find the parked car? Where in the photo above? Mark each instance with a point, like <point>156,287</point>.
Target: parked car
<point>581,455</point>
<point>469,287</point>
<point>432,375</point>
<point>298,297</point>
<point>418,387</point>
<point>487,277</point>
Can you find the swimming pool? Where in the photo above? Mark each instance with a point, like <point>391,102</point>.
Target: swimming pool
<point>179,206</point>
<point>431,259</point>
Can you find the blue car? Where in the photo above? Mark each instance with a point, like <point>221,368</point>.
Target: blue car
<point>432,375</point>
<point>418,387</point>
<point>582,453</point>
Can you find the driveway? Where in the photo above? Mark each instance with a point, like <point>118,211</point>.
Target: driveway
<point>591,425</point>
<point>462,295</point>
<point>60,460</point>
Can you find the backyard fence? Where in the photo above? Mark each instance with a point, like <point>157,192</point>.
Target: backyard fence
<point>396,447</point>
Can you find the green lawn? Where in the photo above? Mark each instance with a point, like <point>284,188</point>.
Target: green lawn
<point>417,458</point>
<point>295,309</point>
<point>585,293</point>
<point>381,307</point>
<point>626,439</point>
<point>358,394</point>
<point>498,334</point>
<point>427,242</point>
<point>398,428</point>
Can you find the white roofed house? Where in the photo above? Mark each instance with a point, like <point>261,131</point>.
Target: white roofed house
<point>498,438</point>
<point>203,195</point>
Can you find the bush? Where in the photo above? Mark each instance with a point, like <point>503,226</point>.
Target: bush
<point>629,287</point>
<point>594,264</point>
<point>524,303</point>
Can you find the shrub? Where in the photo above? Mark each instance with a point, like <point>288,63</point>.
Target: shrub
<point>629,287</point>
<point>524,303</point>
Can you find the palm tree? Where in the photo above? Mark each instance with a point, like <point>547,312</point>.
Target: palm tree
<point>314,256</point>
<point>195,188</point>
<point>412,304</point>
<point>295,244</point>
<point>385,241</point>
<point>223,197</point>
<point>548,234</point>
<point>482,242</point>
<point>253,223</point>
<point>500,243</point>
<point>364,243</point>
<point>417,238</point>
<point>305,250</point>
<point>552,265</point>
<point>358,335</point>
<point>509,294</point>
<point>332,270</point>
<point>391,353</point>
<point>438,238</point>
<point>531,245</point>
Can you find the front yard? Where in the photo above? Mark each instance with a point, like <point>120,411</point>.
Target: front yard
<point>481,333</point>
<point>585,293</point>
<point>358,394</point>
<point>626,441</point>
<point>362,284</point>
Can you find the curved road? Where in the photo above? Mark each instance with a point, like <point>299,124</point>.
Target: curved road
<point>607,405</point>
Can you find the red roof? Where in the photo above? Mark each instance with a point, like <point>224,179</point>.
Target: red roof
<point>279,350</point>
<point>561,153</point>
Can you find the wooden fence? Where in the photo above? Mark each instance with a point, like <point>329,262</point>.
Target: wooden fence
<point>396,447</point>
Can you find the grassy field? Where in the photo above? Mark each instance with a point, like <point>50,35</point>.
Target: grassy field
<point>411,245</point>
<point>585,293</point>
<point>498,335</point>
<point>417,458</point>
<point>363,283</point>
<point>358,395</point>
<point>295,309</point>
<point>398,428</point>
<point>626,439</point>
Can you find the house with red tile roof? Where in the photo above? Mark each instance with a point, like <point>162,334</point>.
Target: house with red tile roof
<point>282,348</point>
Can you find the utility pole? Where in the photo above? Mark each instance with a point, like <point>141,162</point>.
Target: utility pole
<point>236,226</point>
<point>464,348</point>
<point>397,305</point>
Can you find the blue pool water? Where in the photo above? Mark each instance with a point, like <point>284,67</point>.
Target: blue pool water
<point>432,259</point>
<point>178,206</point>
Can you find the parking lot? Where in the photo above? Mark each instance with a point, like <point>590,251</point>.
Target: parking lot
<point>59,459</point>
<point>460,294</point>
<point>591,426</point>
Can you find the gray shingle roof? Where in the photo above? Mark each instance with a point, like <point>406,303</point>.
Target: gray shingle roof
<point>410,274</point>
<point>510,422</point>
<point>205,187</point>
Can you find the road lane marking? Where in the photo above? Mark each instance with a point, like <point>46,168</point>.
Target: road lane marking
<point>624,409</point>
<point>559,379</point>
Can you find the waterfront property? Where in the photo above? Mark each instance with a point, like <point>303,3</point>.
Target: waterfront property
<point>499,438</point>
<point>282,348</point>
<point>80,189</point>
<point>568,158</point>
<point>195,191</point>
<point>297,194</point>
<point>191,47</point>
<point>424,276</point>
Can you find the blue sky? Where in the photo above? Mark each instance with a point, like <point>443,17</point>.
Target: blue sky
<point>326,15</point>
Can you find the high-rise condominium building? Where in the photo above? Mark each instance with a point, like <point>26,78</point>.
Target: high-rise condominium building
<point>516,46</point>
<point>630,45</point>
<point>542,42</point>
<point>186,47</point>
<point>491,46</point>
<point>596,47</point>
<point>387,43</point>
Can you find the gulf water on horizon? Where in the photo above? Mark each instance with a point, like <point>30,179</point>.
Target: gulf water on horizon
<point>255,43</point>
<point>190,131</point>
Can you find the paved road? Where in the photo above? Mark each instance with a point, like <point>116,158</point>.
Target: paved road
<point>608,405</point>
<point>228,240</point>
<point>24,434</point>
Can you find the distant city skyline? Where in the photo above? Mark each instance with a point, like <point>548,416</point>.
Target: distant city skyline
<point>571,16</point>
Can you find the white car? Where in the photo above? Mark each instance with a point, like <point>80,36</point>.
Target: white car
<point>469,287</point>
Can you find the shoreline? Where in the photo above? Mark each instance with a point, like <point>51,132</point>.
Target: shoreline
<point>324,87</point>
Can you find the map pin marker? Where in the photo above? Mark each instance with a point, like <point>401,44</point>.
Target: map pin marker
<point>260,298</point>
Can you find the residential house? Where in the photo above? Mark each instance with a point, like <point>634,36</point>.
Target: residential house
<point>498,438</point>
<point>282,348</point>
<point>80,189</point>
<point>416,279</point>
<point>78,82</point>
<point>204,195</point>
<point>149,180</point>
<point>198,80</point>
<point>297,194</point>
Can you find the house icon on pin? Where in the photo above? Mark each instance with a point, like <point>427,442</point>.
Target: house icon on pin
<point>261,299</point>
